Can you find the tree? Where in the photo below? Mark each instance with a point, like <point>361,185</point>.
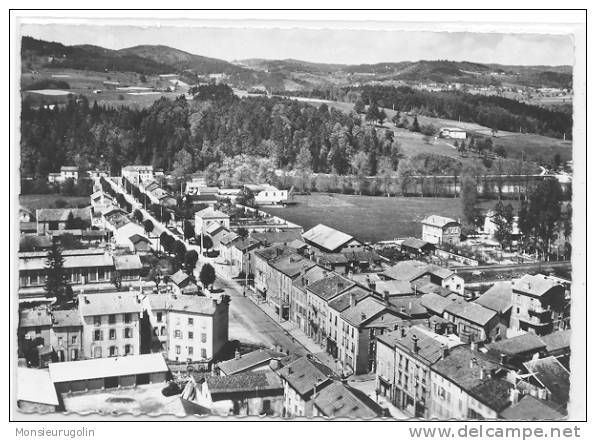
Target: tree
<point>116,279</point>
<point>190,261</point>
<point>156,275</point>
<point>207,275</point>
<point>74,223</point>
<point>469,198</point>
<point>242,232</point>
<point>138,215</point>
<point>373,113</point>
<point>207,242</point>
<point>359,106</point>
<point>189,230</point>
<point>405,171</point>
<point>166,241</point>
<point>503,219</point>
<point>56,276</point>
<point>381,117</point>
<point>148,225</point>
<point>246,197</point>
<point>179,250</point>
<point>415,126</point>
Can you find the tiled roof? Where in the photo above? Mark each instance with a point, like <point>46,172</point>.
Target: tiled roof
<point>407,270</point>
<point>247,382</point>
<point>310,276</point>
<point>330,287</point>
<point>91,261</point>
<point>393,287</point>
<point>228,238</point>
<point>342,302</point>
<point>457,367</point>
<point>332,258</point>
<point>471,312</point>
<point>213,228</point>
<point>531,408</point>
<point>498,297</point>
<point>246,244</point>
<point>35,241</point>
<point>109,303</point>
<point>339,400</point>
<point>291,265</point>
<point>269,238</point>
<point>303,375</point>
<point>249,361</point>
<point>520,344</point>
<point>364,311</point>
<point>414,243</point>
<point>34,317</point>
<point>136,238</point>
<point>408,305</point>
<point>179,277</point>
<point>435,303</point>
<point>297,244</point>
<point>61,214</point>
<point>438,221</point>
<point>536,286</point>
<point>326,237</point>
<point>553,376</point>
<point>66,318</point>
<point>107,367</point>
<point>557,340</point>
<point>494,393</point>
<point>127,262</point>
<point>193,304</point>
<point>211,213</point>
<point>272,252</point>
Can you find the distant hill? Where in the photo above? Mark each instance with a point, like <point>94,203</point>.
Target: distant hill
<point>181,60</point>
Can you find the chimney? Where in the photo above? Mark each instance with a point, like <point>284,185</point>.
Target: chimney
<point>86,299</point>
<point>514,395</point>
<point>237,354</point>
<point>353,299</point>
<point>290,370</point>
<point>386,296</point>
<point>403,331</point>
<point>363,316</point>
<point>473,363</point>
<point>481,374</point>
<point>444,351</point>
<point>473,346</point>
<point>415,341</point>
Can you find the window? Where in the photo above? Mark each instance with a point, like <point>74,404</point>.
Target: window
<point>191,335</point>
<point>127,317</point>
<point>203,353</point>
<point>101,274</point>
<point>37,330</point>
<point>127,332</point>
<point>60,341</point>
<point>177,349</point>
<point>190,350</point>
<point>163,330</point>
<point>112,319</point>
<point>113,351</point>
<point>159,317</point>
<point>97,336</point>
<point>73,339</point>
<point>203,338</point>
<point>127,350</point>
<point>74,354</point>
<point>191,321</point>
<point>112,334</point>
<point>177,333</point>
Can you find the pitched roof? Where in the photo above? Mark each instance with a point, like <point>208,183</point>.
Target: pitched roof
<point>471,312</point>
<point>458,367</point>
<point>407,270</point>
<point>340,400</point>
<point>557,340</point>
<point>214,227</point>
<point>35,241</point>
<point>520,344</point>
<point>246,244</point>
<point>310,276</point>
<point>292,265</point>
<point>342,301</point>
<point>531,408</point>
<point>249,361</point>
<point>553,376</point>
<point>326,237</point>
<point>498,297</point>
<point>136,238</point>
<point>179,277</point>
<point>438,221</point>
<point>269,238</point>
<point>109,303</point>
<point>193,304</point>
<point>331,258</point>
<point>407,305</point>
<point>34,317</point>
<point>66,318</point>
<point>330,287</point>
<point>61,214</point>
<point>211,213</point>
<point>297,244</point>
<point>434,302</point>
<point>36,386</point>
<point>128,262</point>
<point>494,393</point>
<point>393,287</point>
<point>69,168</point>
<point>415,243</point>
<point>364,311</point>
<point>304,374</point>
<point>228,238</point>
<point>107,367</point>
<point>248,382</point>
<point>535,285</point>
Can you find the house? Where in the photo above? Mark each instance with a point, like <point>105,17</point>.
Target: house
<point>226,242</point>
<point>284,270</point>
<point>266,194</point>
<point>108,373</point>
<point>49,219</point>
<point>550,374</point>
<point>440,230</point>
<point>67,334</point>
<point>54,178</point>
<point>111,324</point>
<point>516,350</point>
<point>330,240</point>
<point>499,299</point>
<point>208,216</point>
<point>435,303</point>
<point>240,255</point>
<point>299,299</point>
<point>123,228</point>
<point>302,379</point>
<point>416,247</point>
<point>404,358</point>
<point>530,408</point>
<point>242,394</point>
<point>360,325</point>
<point>101,202</point>
<point>336,262</point>
<point>97,173</point>
<point>35,391</point>
<point>140,243</point>
<point>413,270</point>
<point>69,172</point>
<point>464,385</point>
<point>259,264</point>
<point>35,326</point>
<point>538,305</point>
<point>183,283</point>
<point>558,344</point>
<point>338,400</point>
<point>138,174</point>
<point>129,266</point>
<point>254,361</point>
<point>452,133</point>
<point>474,322</point>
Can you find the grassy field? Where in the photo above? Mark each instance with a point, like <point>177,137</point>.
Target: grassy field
<point>35,201</point>
<point>369,218</point>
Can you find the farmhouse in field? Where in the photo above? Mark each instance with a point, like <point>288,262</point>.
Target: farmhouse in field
<point>330,240</point>
<point>439,230</point>
<point>452,133</point>
<point>266,194</point>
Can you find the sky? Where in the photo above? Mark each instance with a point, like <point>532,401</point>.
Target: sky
<point>345,46</point>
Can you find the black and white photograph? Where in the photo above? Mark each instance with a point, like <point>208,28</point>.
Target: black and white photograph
<point>297,221</point>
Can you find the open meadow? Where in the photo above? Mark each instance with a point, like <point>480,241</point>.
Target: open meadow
<point>35,201</point>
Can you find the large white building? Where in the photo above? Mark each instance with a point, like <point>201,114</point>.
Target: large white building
<point>209,216</point>
<point>439,230</point>
<point>138,174</point>
<point>266,194</point>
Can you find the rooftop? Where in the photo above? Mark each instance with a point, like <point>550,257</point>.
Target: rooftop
<point>531,408</point>
<point>330,287</point>
<point>36,386</point>
<point>340,400</point>
<point>435,302</point>
<point>494,393</point>
<point>66,318</point>
<point>71,261</point>
<point>61,214</point>
<point>535,286</point>
<point>128,262</point>
<point>246,244</point>
<point>415,243</point>
<point>269,238</point>
<point>364,311</point>
<point>137,168</point>
<point>34,317</point>
<point>292,265</point>
<point>303,375</point>
<point>342,301</point>
<point>407,270</point>
<point>249,361</point>
<point>248,382</point>
<point>326,237</point>
<point>471,312</point>
<point>109,303</point>
<point>462,367</point>
<point>498,297</point>
<point>107,367</point>
<point>211,213</point>
<point>393,287</point>
<point>517,345</point>
<point>553,376</point>
<point>193,304</point>
<point>438,221</point>
<point>556,341</point>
